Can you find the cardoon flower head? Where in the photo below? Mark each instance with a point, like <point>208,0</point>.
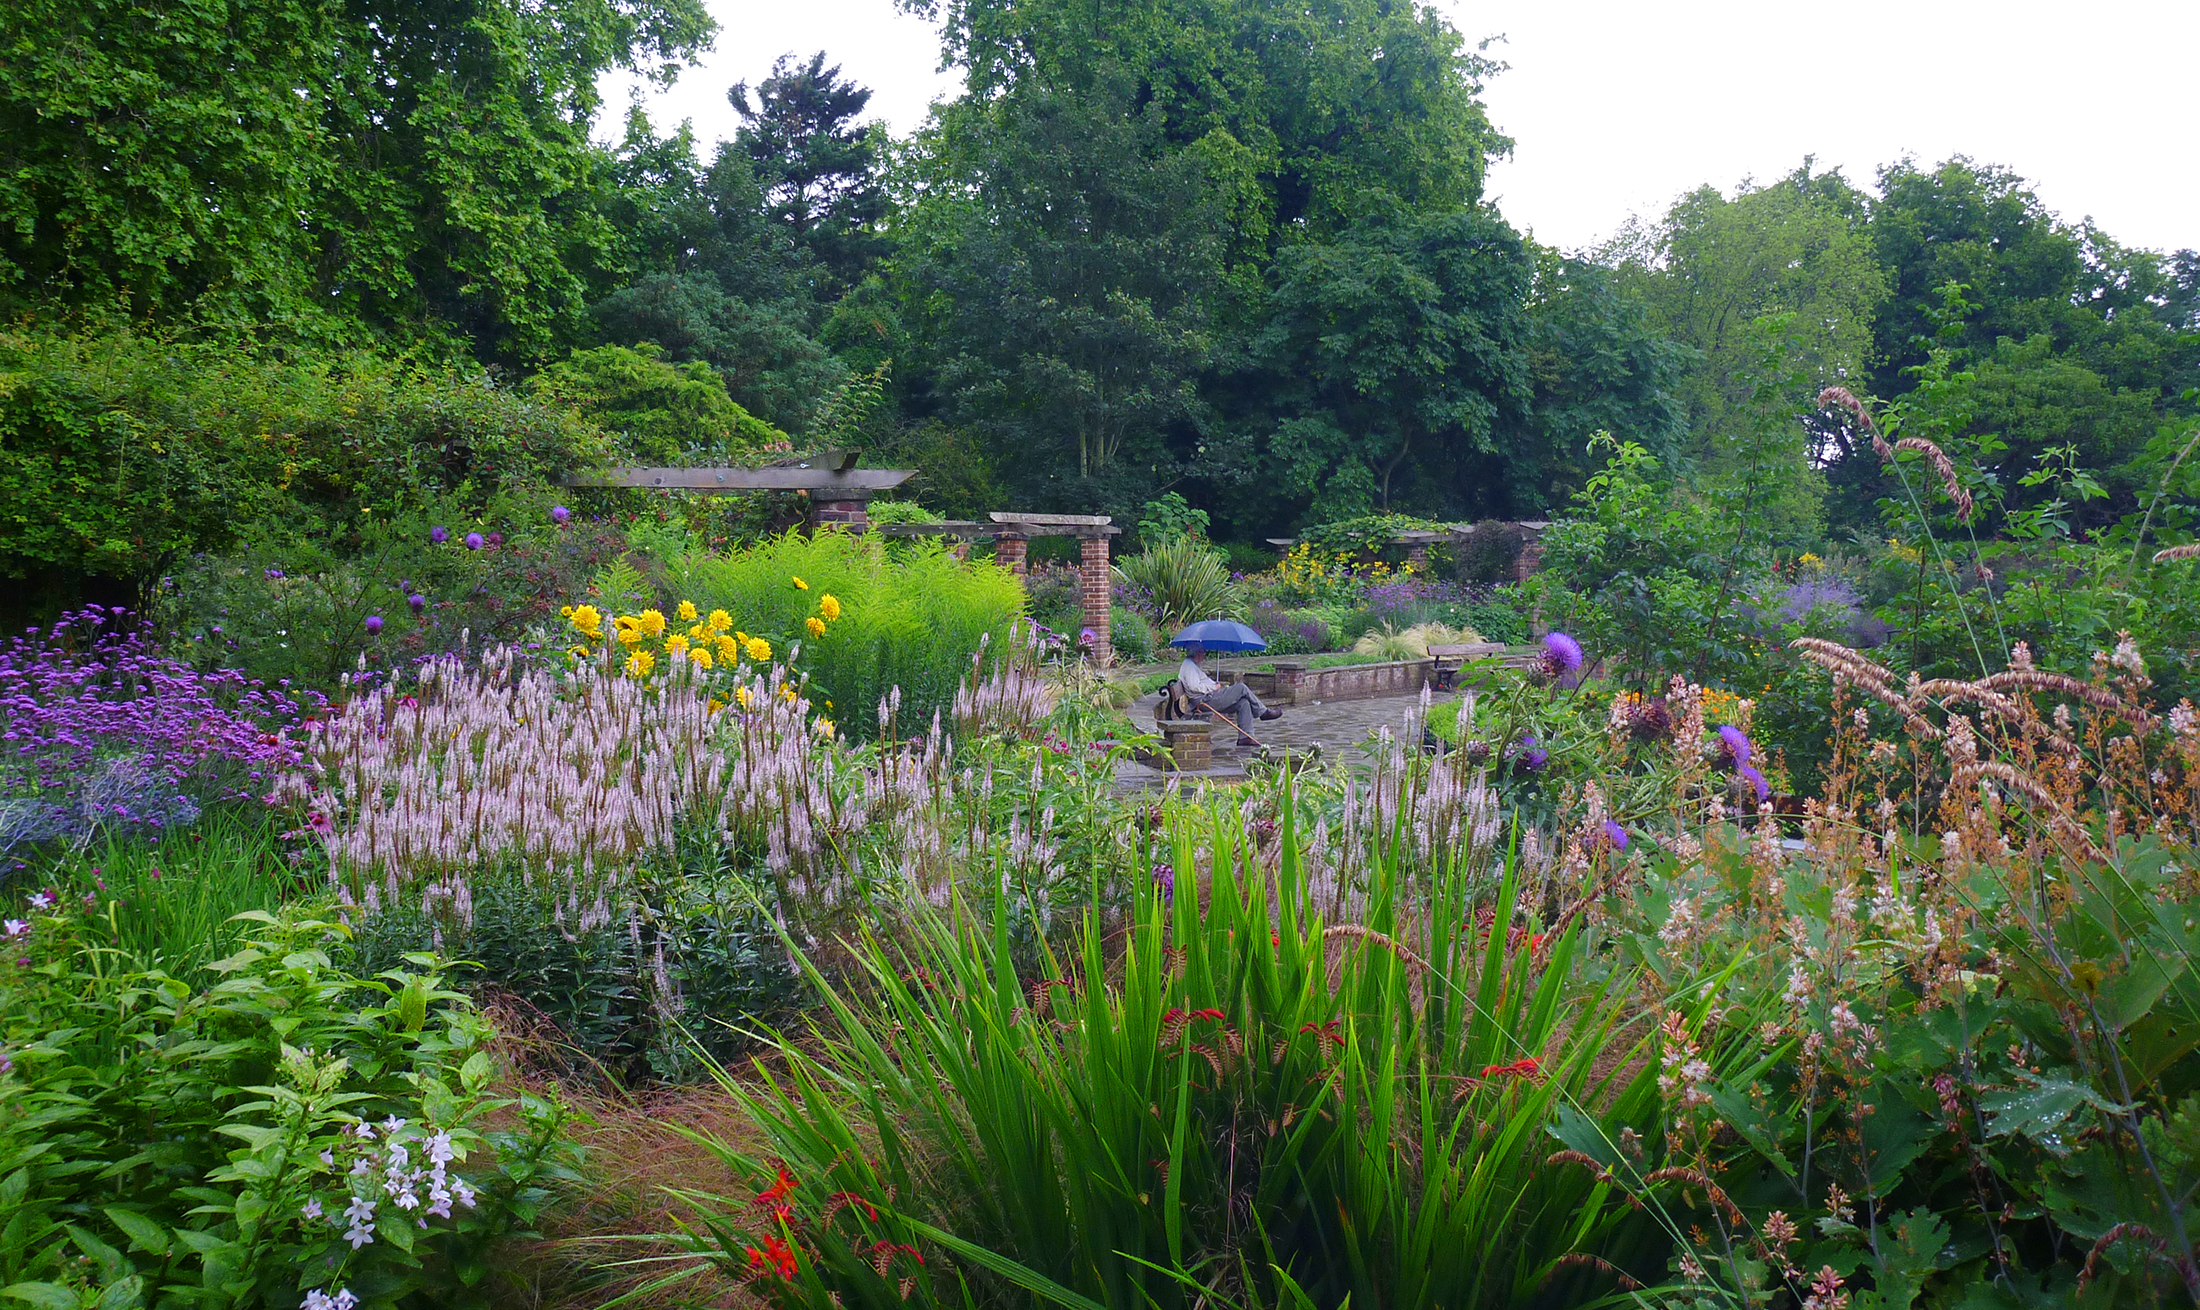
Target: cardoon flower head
<point>560,515</point>
<point>374,624</point>
<point>1528,756</point>
<point>1561,654</point>
<point>1756,780</point>
<point>417,601</point>
<point>439,534</point>
<point>1734,744</point>
<point>1615,836</point>
<point>496,538</point>
<point>474,541</point>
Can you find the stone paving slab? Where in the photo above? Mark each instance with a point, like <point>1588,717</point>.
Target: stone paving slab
<point>1337,727</point>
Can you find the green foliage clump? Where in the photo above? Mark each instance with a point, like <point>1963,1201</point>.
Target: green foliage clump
<point>1132,636</point>
<point>1369,535</point>
<point>1183,581</point>
<point>120,452</point>
<point>910,618</point>
<point>1210,1097</point>
<point>178,1144</point>
<point>661,412</point>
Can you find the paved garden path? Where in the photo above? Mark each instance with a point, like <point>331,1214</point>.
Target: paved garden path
<point>1338,727</point>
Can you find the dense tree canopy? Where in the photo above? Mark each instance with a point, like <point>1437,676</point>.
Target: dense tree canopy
<point>1233,248</point>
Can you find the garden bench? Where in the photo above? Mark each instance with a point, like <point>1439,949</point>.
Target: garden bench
<point>1450,659</point>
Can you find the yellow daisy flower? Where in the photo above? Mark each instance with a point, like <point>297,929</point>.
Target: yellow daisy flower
<point>815,624</point>
<point>741,696</point>
<point>759,649</point>
<point>701,656</point>
<point>653,622</point>
<point>800,585</point>
<point>720,621</point>
<point>676,645</point>
<point>729,650</point>
<point>640,663</point>
<point>824,727</point>
<point>716,705</point>
<point>829,606</point>
<point>686,611</point>
<point>629,629</point>
<point>587,621</point>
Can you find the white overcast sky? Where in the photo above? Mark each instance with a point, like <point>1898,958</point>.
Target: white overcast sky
<point>1615,108</point>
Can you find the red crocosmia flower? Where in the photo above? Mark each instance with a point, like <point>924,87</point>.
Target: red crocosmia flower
<point>1175,1013</point>
<point>1207,1014</point>
<point>776,1258</point>
<point>839,1199</point>
<point>774,1197</point>
<point>1275,939</point>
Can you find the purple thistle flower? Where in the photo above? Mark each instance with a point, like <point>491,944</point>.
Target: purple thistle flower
<point>374,624</point>
<point>1528,756</point>
<point>560,515</point>
<point>1734,744</point>
<point>473,541</point>
<point>1561,654</point>
<point>496,538</point>
<point>417,601</point>
<point>273,574</point>
<point>1615,836</point>
<point>1756,780</point>
<point>1086,637</point>
<point>438,534</point>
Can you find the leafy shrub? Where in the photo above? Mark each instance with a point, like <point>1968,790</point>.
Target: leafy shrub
<point>1490,552</point>
<point>120,452</point>
<point>1368,536</point>
<point>1132,637</point>
<point>1288,632</point>
<point>1186,580</point>
<point>1171,516</point>
<point>911,620</point>
<point>292,1128</point>
<point>1145,1118</point>
<point>660,412</point>
<point>310,610</point>
<point>899,511</point>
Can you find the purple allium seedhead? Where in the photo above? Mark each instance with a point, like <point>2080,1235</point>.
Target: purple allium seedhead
<point>560,515</point>
<point>1561,654</point>
<point>1734,744</point>
<point>1615,836</point>
<point>374,624</point>
<point>439,534</point>
<point>417,601</point>
<point>474,541</point>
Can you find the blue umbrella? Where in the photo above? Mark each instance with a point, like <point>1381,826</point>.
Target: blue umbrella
<point>1220,634</point>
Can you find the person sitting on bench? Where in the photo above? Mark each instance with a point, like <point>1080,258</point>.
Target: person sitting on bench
<point>1236,700</point>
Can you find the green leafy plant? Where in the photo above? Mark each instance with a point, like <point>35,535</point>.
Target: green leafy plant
<point>1211,1100</point>
<point>1186,581</point>
<point>289,1130</point>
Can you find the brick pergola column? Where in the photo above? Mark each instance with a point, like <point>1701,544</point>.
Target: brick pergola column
<point>1010,549</point>
<point>1099,593</point>
<point>850,513</point>
<point>1417,556</point>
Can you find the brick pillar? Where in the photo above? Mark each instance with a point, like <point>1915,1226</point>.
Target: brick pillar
<point>852,515</point>
<point>1417,556</point>
<point>1099,590</point>
<point>1009,550</point>
<point>1530,559</point>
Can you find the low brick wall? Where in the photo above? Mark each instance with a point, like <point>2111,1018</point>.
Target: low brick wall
<point>1295,684</point>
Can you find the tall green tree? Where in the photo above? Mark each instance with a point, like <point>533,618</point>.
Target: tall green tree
<point>397,167</point>
<point>1393,355</point>
<point>818,165</point>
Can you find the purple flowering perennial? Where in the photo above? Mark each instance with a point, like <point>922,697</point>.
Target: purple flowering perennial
<point>439,534</point>
<point>560,515</point>
<point>1615,836</point>
<point>97,728</point>
<point>1561,654</point>
<point>1734,744</point>
<point>374,624</point>
<point>1756,780</point>
<point>474,541</point>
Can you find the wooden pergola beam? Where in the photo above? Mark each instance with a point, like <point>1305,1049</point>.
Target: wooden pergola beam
<point>856,484</point>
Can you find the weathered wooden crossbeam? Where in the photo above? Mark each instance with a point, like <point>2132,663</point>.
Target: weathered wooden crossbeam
<point>817,480</point>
